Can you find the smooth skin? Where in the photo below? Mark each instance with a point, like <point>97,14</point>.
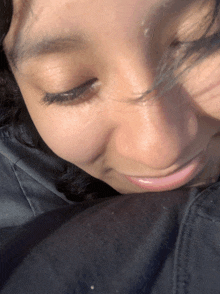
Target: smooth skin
<point>109,132</point>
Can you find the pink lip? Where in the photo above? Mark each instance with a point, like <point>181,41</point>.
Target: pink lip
<point>173,181</point>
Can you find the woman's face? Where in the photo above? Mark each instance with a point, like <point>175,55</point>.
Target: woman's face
<point>107,51</point>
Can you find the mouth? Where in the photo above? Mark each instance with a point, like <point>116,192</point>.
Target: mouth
<point>173,181</point>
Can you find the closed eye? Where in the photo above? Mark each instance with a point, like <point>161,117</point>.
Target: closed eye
<point>76,95</point>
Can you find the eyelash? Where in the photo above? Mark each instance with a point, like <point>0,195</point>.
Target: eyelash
<point>80,93</point>
<point>72,96</point>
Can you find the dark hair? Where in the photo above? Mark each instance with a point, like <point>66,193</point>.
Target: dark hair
<point>75,183</point>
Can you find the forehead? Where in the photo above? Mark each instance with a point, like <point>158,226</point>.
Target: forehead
<point>66,13</point>
<point>35,20</point>
<point>32,15</point>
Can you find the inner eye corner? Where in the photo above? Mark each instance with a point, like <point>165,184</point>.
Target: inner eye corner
<point>93,80</point>
<point>175,43</point>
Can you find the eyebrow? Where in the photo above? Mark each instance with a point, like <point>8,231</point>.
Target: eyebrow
<point>44,46</point>
<point>24,50</point>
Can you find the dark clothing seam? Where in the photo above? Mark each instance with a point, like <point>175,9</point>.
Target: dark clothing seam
<point>20,185</point>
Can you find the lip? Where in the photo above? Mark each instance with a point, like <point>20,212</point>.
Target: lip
<point>172,181</point>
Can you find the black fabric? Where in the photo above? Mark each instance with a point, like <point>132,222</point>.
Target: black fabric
<point>27,182</point>
<point>117,246</point>
<point>145,243</point>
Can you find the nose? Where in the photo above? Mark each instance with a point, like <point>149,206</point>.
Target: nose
<point>152,135</point>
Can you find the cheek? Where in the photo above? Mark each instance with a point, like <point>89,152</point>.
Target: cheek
<point>77,133</point>
<point>203,86</point>
<point>72,138</point>
<point>77,136</point>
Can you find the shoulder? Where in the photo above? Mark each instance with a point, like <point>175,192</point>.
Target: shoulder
<point>197,251</point>
<point>27,181</point>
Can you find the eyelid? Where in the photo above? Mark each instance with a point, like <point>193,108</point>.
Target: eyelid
<point>69,96</point>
